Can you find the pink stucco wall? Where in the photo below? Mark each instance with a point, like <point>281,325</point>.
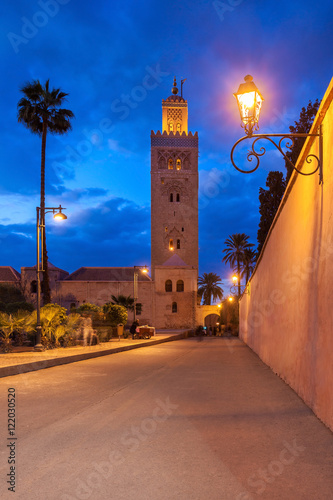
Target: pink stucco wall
<point>287,318</point>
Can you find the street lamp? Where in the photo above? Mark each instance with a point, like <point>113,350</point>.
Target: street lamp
<point>249,101</point>
<point>237,285</point>
<point>40,227</point>
<point>143,269</point>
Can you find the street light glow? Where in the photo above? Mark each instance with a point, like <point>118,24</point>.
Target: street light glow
<point>249,102</point>
<point>59,216</point>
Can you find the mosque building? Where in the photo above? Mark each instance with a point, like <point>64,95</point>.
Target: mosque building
<point>167,298</point>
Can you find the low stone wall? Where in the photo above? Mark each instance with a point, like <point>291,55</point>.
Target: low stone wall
<point>287,318</point>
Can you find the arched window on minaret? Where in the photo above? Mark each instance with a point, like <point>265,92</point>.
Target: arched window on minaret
<point>170,126</point>
<point>174,307</point>
<point>180,286</point>
<point>170,164</point>
<point>171,197</point>
<point>178,244</point>
<point>171,244</point>
<point>178,197</point>
<point>178,164</point>
<point>179,127</point>
<point>168,286</point>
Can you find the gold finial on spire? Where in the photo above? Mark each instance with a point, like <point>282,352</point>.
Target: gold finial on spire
<point>174,88</point>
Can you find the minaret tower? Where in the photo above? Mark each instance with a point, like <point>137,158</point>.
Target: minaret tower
<point>174,186</point>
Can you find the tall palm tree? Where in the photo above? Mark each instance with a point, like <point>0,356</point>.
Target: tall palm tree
<point>248,264</point>
<point>209,287</point>
<point>236,244</point>
<point>40,111</point>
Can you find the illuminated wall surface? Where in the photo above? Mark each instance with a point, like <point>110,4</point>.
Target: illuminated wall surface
<point>287,318</point>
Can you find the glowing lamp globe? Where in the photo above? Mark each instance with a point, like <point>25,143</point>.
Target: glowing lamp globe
<point>60,216</point>
<point>249,101</point>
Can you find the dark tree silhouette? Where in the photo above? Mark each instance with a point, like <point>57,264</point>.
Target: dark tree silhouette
<point>302,126</point>
<point>269,202</point>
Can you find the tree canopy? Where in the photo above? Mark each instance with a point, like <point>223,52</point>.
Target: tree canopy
<point>13,300</point>
<point>248,263</point>
<point>302,126</point>
<point>236,245</point>
<point>10,294</point>
<point>209,287</point>
<point>123,300</point>
<point>269,202</point>
<point>115,314</point>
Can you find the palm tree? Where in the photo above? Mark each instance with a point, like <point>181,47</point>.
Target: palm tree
<point>209,286</point>
<point>7,327</point>
<point>236,244</point>
<point>249,262</point>
<point>19,322</point>
<point>122,300</point>
<point>68,330</point>
<point>40,111</point>
<point>127,302</point>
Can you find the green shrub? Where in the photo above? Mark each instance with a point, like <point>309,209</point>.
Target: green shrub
<point>115,314</point>
<point>89,308</point>
<point>19,306</point>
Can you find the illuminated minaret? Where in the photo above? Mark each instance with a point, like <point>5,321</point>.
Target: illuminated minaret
<point>174,186</point>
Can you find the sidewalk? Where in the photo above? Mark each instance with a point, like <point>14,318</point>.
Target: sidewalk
<point>28,361</point>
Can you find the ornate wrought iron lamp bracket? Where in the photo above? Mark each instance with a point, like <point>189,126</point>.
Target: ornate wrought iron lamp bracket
<point>243,289</point>
<point>255,155</point>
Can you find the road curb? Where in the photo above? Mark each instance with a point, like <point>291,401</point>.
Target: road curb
<point>8,371</point>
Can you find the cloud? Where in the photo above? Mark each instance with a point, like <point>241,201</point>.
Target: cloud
<point>98,236</point>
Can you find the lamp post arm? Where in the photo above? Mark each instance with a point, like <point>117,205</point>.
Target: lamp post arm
<point>256,154</point>
<point>240,289</point>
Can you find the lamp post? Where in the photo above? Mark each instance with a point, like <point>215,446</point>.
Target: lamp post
<point>249,101</point>
<point>40,227</point>
<point>144,269</point>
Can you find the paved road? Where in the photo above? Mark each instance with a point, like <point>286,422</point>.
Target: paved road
<point>184,420</point>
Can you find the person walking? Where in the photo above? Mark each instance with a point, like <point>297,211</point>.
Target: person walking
<point>133,328</point>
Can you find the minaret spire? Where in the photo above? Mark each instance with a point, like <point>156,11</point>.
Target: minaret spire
<point>174,89</point>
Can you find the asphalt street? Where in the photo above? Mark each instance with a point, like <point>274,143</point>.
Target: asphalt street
<point>180,420</point>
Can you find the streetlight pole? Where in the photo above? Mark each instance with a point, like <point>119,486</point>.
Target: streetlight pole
<point>38,345</point>
<point>135,290</point>
<point>40,228</point>
<point>143,269</point>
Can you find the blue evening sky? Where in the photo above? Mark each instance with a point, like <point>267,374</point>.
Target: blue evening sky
<point>117,61</point>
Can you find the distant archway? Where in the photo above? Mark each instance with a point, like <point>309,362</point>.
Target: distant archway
<point>211,320</point>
